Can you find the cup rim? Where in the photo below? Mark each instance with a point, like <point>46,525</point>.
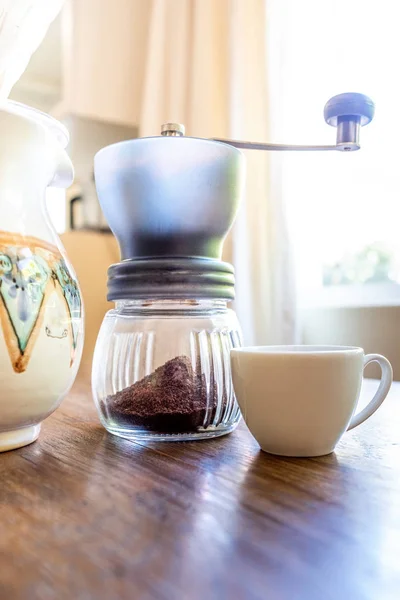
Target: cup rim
<point>299,349</point>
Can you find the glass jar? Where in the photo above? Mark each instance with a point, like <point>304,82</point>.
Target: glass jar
<point>161,369</point>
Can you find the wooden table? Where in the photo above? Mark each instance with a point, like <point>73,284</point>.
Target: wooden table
<point>85,515</point>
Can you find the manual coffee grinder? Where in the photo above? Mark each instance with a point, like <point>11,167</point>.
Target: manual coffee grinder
<point>161,366</point>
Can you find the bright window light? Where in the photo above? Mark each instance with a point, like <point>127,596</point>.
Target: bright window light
<point>344,209</point>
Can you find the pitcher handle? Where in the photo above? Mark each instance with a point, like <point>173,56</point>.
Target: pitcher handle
<point>64,172</point>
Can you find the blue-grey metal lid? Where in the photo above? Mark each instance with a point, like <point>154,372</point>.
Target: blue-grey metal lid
<point>170,196</point>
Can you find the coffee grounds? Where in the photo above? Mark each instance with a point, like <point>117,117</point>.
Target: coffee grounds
<point>172,399</point>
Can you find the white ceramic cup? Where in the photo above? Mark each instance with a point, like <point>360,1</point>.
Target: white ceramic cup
<point>299,400</point>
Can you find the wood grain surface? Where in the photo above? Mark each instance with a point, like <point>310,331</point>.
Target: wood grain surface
<point>85,515</point>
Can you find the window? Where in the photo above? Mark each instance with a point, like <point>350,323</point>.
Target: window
<point>344,209</point>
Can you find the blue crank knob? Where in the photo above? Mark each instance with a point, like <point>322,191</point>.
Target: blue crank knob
<point>350,106</point>
<point>348,113</point>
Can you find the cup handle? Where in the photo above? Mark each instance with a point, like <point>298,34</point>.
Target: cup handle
<point>382,392</point>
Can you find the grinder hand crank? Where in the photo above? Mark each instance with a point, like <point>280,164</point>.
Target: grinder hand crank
<point>347,112</point>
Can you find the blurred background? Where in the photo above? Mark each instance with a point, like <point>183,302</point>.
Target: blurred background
<point>316,246</point>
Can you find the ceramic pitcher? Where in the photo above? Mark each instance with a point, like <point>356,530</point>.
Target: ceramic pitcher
<point>41,314</point>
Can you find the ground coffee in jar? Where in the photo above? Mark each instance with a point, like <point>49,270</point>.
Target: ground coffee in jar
<point>172,399</point>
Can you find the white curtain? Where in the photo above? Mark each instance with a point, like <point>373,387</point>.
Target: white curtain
<point>23,25</point>
<point>207,67</point>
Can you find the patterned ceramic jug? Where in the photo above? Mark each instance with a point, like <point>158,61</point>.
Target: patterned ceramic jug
<point>41,317</point>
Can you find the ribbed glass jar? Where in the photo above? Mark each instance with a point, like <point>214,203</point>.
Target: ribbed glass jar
<point>161,369</point>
